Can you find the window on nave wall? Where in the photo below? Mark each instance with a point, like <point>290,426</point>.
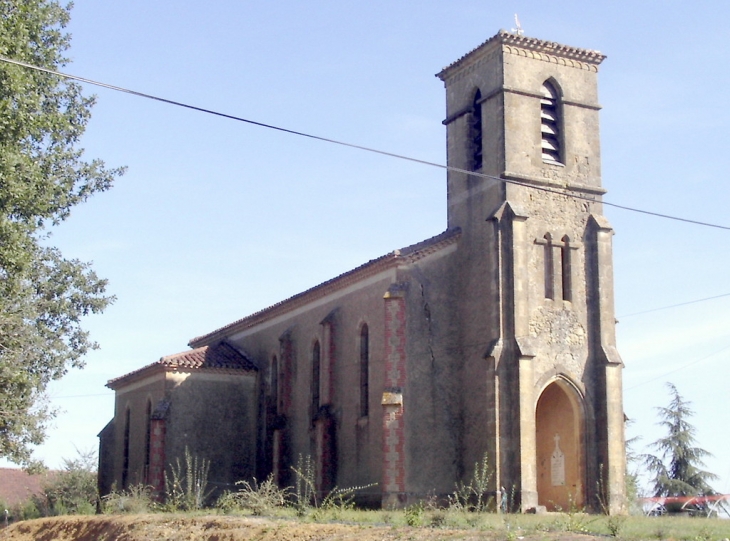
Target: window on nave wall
<point>316,367</point>
<point>476,130</point>
<point>274,382</point>
<point>364,370</point>
<point>125,456</point>
<point>147,440</point>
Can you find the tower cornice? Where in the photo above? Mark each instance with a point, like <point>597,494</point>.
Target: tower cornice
<point>547,51</point>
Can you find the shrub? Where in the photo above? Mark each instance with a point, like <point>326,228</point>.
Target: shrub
<point>136,499</point>
<point>73,490</point>
<point>259,498</point>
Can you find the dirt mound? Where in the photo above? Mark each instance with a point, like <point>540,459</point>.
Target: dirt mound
<point>221,528</point>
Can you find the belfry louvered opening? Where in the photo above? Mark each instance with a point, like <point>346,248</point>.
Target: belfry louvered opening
<point>550,124</point>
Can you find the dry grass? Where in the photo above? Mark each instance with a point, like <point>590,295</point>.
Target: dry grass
<point>364,526</point>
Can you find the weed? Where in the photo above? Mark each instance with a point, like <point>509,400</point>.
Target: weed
<point>414,514</point>
<point>136,499</point>
<point>305,490</point>
<point>186,488</point>
<point>705,534</point>
<point>575,518</point>
<point>437,519</point>
<point>615,524</point>
<point>473,496</point>
<point>259,498</point>
<point>305,493</point>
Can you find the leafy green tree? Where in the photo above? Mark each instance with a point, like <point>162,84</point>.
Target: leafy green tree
<point>676,469</point>
<point>73,491</point>
<point>43,296</point>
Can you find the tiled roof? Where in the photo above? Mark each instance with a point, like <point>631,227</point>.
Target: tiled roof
<point>550,47</point>
<point>17,486</point>
<point>403,256</point>
<point>218,357</point>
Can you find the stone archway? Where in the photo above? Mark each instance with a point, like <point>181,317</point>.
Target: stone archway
<point>560,447</point>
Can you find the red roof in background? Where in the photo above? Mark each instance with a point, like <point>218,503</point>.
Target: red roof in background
<point>17,486</point>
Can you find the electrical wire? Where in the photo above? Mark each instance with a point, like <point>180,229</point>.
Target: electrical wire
<point>665,374</point>
<point>401,157</point>
<point>358,147</point>
<point>673,306</point>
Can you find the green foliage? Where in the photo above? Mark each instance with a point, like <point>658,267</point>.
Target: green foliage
<point>473,495</point>
<point>615,524</point>
<point>73,491</point>
<point>136,499</point>
<point>414,514</point>
<point>633,464</point>
<point>259,498</point>
<point>186,487</point>
<point>43,296</point>
<point>574,518</point>
<point>305,490</point>
<point>676,468</point>
<point>304,498</point>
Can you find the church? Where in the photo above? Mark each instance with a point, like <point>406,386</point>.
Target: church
<point>492,340</point>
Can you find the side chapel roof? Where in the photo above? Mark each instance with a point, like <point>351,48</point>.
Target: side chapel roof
<point>395,258</point>
<point>221,356</point>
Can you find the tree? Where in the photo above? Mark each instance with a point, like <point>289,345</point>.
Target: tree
<point>676,469</point>
<point>73,490</point>
<point>43,175</point>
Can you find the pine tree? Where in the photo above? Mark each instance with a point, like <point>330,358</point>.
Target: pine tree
<point>676,469</point>
<point>43,296</point>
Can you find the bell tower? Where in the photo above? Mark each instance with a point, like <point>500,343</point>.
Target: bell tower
<point>535,271</point>
<point>523,110</point>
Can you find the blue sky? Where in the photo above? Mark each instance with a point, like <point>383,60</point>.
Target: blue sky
<point>216,219</point>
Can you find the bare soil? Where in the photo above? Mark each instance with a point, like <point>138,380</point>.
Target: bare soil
<point>223,528</point>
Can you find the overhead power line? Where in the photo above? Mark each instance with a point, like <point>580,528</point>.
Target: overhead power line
<point>692,363</point>
<point>674,305</point>
<point>352,145</point>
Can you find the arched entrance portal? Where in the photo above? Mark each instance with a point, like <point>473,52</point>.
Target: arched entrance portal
<point>560,450</point>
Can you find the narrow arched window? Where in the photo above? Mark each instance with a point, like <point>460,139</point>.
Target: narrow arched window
<point>549,269</point>
<point>567,277</point>
<point>476,132</point>
<point>274,383</point>
<point>125,455</point>
<point>550,124</point>
<point>364,370</point>
<point>315,377</point>
<point>147,441</point>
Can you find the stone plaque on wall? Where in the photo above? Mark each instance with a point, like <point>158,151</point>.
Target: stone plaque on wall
<point>557,465</point>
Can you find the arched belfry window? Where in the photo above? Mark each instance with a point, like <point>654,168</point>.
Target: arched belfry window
<point>550,124</point>
<point>364,370</point>
<point>475,132</point>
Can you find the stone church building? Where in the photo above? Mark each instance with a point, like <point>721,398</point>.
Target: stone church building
<point>496,336</point>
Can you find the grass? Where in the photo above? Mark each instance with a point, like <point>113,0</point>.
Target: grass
<point>514,526</point>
